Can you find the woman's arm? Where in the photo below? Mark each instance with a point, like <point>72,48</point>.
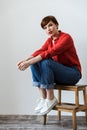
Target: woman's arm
<point>26,63</point>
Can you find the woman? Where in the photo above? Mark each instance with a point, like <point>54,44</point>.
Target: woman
<point>56,62</point>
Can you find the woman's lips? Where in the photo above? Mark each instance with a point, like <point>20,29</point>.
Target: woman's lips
<point>50,32</point>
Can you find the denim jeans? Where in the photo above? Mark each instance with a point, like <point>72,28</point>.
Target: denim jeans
<point>48,72</point>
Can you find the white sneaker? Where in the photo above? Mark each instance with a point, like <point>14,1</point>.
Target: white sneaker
<point>47,107</point>
<point>40,104</point>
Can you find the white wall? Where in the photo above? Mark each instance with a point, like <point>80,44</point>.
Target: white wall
<point>21,34</point>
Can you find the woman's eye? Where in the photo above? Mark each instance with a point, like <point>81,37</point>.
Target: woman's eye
<point>50,25</point>
<point>45,27</point>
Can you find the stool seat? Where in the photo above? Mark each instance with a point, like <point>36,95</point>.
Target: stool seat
<point>70,107</point>
<point>70,87</point>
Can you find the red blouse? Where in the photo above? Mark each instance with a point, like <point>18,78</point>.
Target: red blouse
<point>62,51</point>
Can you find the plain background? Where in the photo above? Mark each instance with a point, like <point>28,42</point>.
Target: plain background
<point>21,35</point>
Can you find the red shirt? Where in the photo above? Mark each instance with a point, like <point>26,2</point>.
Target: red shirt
<point>62,51</point>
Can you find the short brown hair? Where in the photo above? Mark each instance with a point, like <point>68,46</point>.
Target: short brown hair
<point>47,19</point>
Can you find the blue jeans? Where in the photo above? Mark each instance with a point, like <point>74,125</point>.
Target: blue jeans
<point>48,72</point>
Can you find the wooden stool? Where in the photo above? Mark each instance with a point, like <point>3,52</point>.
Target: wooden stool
<point>70,107</point>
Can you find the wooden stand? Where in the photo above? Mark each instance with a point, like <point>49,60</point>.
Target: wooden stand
<point>70,107</point>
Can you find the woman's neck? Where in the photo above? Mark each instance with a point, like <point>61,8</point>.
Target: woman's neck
<point>55,36</point>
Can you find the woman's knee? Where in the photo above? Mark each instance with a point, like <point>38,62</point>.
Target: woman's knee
<point>34,66</point>
<point>45,62</point>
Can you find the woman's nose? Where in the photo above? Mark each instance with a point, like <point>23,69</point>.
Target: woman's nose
<point>48,29</point>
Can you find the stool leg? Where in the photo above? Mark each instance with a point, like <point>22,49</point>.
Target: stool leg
<point>85,102</point>
<point>59,115</point>
<point>74,120</point>
<point>59,101</point>
<point>77,98</point>
<point>44,119</point>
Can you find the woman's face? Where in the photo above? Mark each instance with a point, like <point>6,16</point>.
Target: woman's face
<point>51,29</point>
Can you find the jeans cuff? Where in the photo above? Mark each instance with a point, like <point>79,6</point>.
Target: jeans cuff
<point>36,84</point>
<point>47,86</point>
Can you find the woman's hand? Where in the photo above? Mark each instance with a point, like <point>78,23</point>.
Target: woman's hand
<point>23,65</point>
